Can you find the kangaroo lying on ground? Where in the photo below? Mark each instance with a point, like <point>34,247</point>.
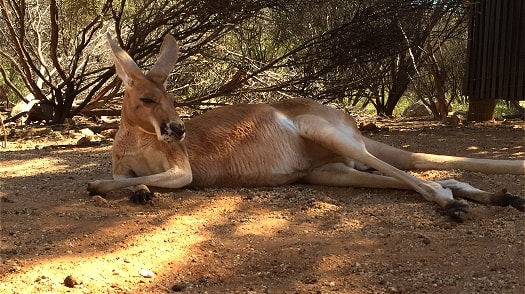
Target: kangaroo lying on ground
<point>297,140</point>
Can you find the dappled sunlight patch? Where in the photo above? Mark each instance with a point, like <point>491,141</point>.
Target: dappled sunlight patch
<point>318,208</point>
<point>436,175</point>
<point>263,224</point>
<point>332,262</point>
<point>95,153</point>
<point>222,207</point>
<point>116,262</point>
<point>31,167</point>
<point>353,224</point>
<point>29,163</point>
<point>514,152</point>
<point>101,271</point>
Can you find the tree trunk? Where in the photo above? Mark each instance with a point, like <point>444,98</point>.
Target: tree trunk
<point>481,109</point>
<point>439,74</point>
<point>401,79</point>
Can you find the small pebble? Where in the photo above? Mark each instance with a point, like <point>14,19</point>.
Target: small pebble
<point>6,200</point>
<point>146,273</point>
<point>82,142</point>
<point>178,287</point>
<point>70,281</point>
<point>99,200</point>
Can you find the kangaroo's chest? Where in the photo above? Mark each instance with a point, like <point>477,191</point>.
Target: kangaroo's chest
<point>140,158</point>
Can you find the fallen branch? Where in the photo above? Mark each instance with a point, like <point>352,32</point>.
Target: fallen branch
<point>14,117</point>
<point>101,112</point>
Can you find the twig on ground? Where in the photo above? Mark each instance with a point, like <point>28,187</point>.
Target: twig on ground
<point>4,142</point>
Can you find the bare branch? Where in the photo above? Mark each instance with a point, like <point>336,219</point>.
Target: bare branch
<point>53,46</point>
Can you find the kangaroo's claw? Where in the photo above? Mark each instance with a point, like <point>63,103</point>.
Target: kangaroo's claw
<point>458,211</point>
<point>142,196</point>
<point>506,199</point>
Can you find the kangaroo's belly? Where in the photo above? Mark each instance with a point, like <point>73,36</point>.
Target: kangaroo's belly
<point>248,145</point>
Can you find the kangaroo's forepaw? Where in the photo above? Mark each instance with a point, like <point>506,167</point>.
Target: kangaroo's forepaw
<point>458,211</point>
<point>506,199</point>
<point>93,188</point>
<point>141,196</point>
<point>91,191</point>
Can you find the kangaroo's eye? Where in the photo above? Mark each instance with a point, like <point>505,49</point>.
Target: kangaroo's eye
<point>147,100</point>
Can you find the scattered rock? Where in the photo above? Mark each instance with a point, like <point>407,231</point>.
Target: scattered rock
<point>40,279</point>
<point>369,127</point>
<point>109,133</point>
<point>70,122</point>
<point>6,200</point>
<point>27,132</point>
<point>116,272</point>
<point>146,273</point>
<point>310,280</point>
<point>33,111</point>
<point>179,287</point>
<point>99,200</point>
<point>458,118</point>
<point>424,239</point>
<point>70,281</point>
<point>83,142</point>
<point>86,132</point>
<point>418,109</point>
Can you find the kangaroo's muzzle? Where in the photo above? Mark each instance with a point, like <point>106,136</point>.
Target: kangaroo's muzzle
<point>173,131</point>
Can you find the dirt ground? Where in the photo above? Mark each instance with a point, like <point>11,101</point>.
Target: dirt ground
<point>293,239</point>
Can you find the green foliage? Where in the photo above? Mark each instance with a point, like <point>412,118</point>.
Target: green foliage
<point>6,92</point>
<point>503,108</point>
<point>347,50</point>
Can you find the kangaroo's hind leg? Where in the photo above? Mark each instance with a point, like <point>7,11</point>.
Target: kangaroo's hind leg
<point>346,141</point>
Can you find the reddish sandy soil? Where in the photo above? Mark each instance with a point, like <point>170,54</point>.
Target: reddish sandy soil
<point>293,239</point>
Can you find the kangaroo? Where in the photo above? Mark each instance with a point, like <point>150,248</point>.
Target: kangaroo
<point>247,145</point>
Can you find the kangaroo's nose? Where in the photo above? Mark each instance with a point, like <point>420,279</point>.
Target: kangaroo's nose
<point>178,129</point>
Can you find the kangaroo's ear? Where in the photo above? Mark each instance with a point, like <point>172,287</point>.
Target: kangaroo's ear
<point>169,53</point>
<point>126,68</point>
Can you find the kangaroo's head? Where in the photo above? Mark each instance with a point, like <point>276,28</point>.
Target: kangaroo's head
<point>147,105</point>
